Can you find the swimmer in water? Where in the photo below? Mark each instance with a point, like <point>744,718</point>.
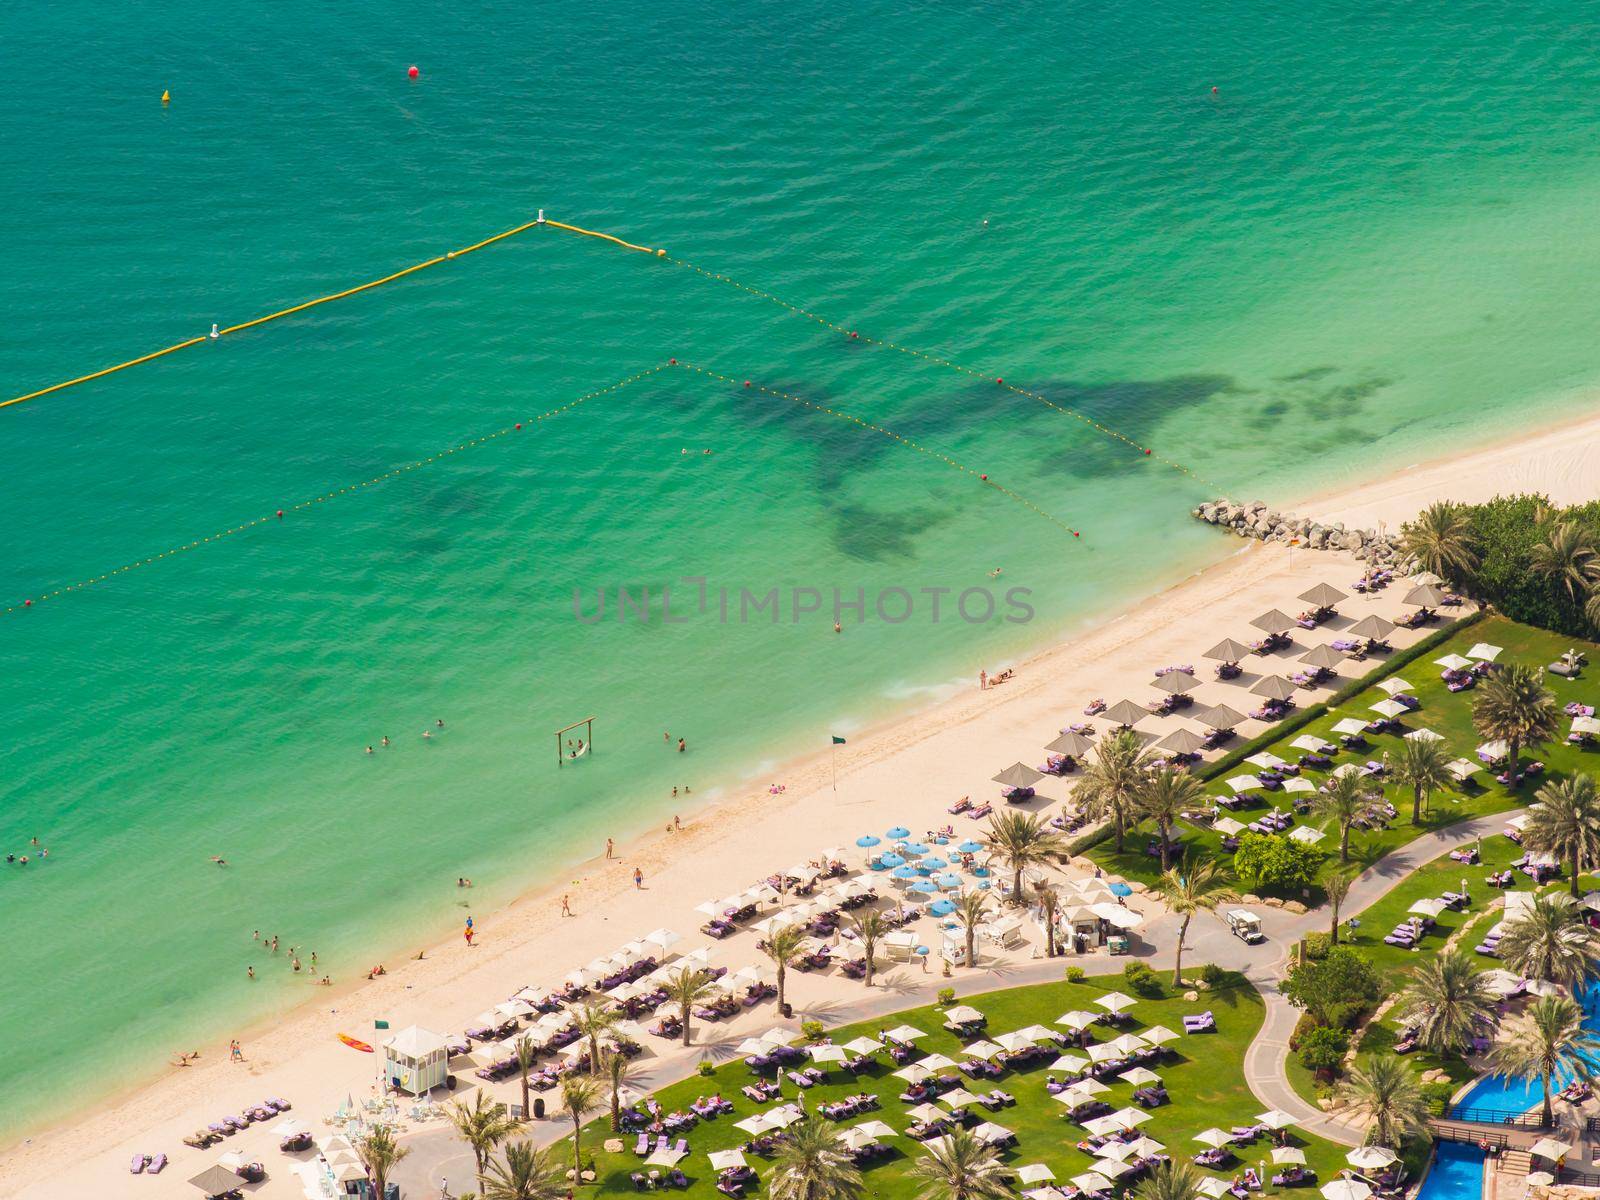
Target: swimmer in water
<point>370,750</point>
<point>385,739</point>
<point>439,721</point>
<point>219,860</point>
<point>427,733</point>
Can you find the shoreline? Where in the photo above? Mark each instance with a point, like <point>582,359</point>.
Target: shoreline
<point>958,740</point>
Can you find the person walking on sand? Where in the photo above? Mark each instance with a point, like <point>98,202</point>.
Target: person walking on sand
<point>983,681</point>
<point>610,848</point>
<point>566,906</point>
<point>467,933</point>
<point>638,878</point>
<point>235,1051</point>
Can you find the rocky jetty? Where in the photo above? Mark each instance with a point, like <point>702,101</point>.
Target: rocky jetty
<point>1256,520</point>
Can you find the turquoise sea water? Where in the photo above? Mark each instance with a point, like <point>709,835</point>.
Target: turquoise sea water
<point>1374,242</point>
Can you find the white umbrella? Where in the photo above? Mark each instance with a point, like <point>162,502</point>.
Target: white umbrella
<point>1214,1188</point>
<point>1076,1019</point>
<point>922,1114</point>
<point>1538,1179</point>
<point>1112,1168</point>
<point>1129,1118</point>
<point>664,938</point>
<point>958,1098</point>
<point>936,1062</point>
<point>1146,1146</point>
<point>1428,907</point>
<point>877,1129</point>
<point>1115,1002</point>
<point>1090,1182</point>
<point>784,1115</point>
<point>1159,1035</point>
<point>913,1074</point>
<point>1276,1118</point>
<point>1115,1150</point>
<point>1128,1043</point>
<point>903,1033</point>
<point>668,1157</point>
<point>963,1014</point>
<point>987,1049</point>
<point>1140,1077</point>
<point>1072,1063</point>
<point>1214,1138</point>
<point>754,1126</point>
<point>1549,1148</point>
<point>726,1160</point>
<point>1346,1189</point>
<point>1034,1173</point>
<point>828,1054</point>
<point>1289,1155</point>
<point>1371,1158</point>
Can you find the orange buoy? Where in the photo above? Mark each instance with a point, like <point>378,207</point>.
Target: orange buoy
<point>412,72</point>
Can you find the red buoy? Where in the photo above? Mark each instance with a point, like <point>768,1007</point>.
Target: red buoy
<point>672,362</point>
<point>997,380</point>
<point>1213,91</point>
<point>27,604</point>
<point>1075,533</point>
<point>747,383</point>
<point>985,478</point>
<point>280,514</point>
<point>1147,452</point>
<point>413,72</point>
<point>519,424</point>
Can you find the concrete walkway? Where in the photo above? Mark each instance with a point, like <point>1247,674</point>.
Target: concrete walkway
<point>439,1154</point>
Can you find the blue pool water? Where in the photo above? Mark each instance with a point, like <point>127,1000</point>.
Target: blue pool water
<point>1495,1092</point>
<point>1457,1174</point>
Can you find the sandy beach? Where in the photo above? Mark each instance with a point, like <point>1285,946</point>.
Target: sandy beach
<point>905,771</point>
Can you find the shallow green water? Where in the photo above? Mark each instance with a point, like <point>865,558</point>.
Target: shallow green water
<point>1375,241</point>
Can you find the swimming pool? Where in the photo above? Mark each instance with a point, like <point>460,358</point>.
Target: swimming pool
<point>1456,1174</point>
<point>1496,1092</point>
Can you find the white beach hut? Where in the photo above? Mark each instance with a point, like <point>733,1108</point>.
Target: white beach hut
<point>415,1060</point>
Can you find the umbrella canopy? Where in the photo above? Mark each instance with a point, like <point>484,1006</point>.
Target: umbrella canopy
<point>867,841</point>
<point>971,847</point>
<point>216,1180</point>
<point>1182,741</point>
<point>1076,1019</point>
<point>1140,1076</point>
<point>1549,1148</point>
<point>1485,651</point>
<point>726,1160</point>
<point>1115,1001</point>
<point>1074,744</point>
<point>1090,1182</point>
<point>1034,1173</point>
<point>1276,1118</point>
<point>1274,687</point>
<point>1389,708</point>
<point>1126,712</point>
<point>1273,621</point>
<point>897,831</point>
<point>668,1156</point>
<point>1324,656</point>
<point>1371,1158</point>
<point>1018,775</point>
<point>1220,717</point>
<point>1175,682</point>
<point>961,1014</point>
<point>1228,650</point>
<point>1346,1189</point>
<point>1372,626</point>
<point>1324,595</point>
<point>1213,1137</point>
<point>1538,1179</point>
<point>891,859</point>
<point>1425,595</point>
<point>1285,1155</point>
<point>1213,1188</point>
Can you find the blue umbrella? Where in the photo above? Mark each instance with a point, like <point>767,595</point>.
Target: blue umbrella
<point>970,847</point>
<point>914,849</point>
<point>903,872</point>
<point>922,951</point>
<point>891,859</point>
<point>899,831</point>
<point>948,880</point>
<point>942,908</point>
<point>1121,889</point>
<point>933,862</point>
<point>868,841</point>
<point>924,885</point>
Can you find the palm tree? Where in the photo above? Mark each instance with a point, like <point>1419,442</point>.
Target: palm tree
<point>580,1096</point>
<point>619,1072</point>
<point>1049,906</point>
<point>783,946</point>
<point>483,1126</point>
<point>1548,939</point>
<point>1446,1000</point>
<point>970,910</point>
<point>1170,1181</point>
<point>960,1167</point>
<point>1336,887</point>
<point>1190,887</point>
<point>1345,802</point>
<point>1440,540</point>
<point>527,1052</point>
<point>593,1019</point>
<point>1548,1038</point>
<point>1514,706</point>
<point>1166,795</point>
<point>1023,840</point>
<point>813,1164</point>
<point>1385,1091</point>
<point>1113,780</point>
<point>379,1152</point>
<point>1421,765</point>
<point>686,988</point>
<point>869,927</point>
<point>525,1173</point>
<point>1566,823</point>
<point>1568,557</point>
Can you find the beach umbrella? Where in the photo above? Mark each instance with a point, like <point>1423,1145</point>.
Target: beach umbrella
<point>1324,656</point>
<point>1182,741</point>
<point>1071,1063</point>
<point>898,831</point>
<point>1484,651</point>
<point>1177,683</point>
<point>1371,1158</point>
<point>1034,1173</point>
<point>948,880</point>
<point>1074,744</point>
<point>667,1157</point>
<point>1289,1155</point>
<point>971,847</point>
<point>1274,687</point>
<point>217,1181</point>
<point>863,1045</point>
<point>933,862</point>
<point>1213,1188</point>
<point>726,1160</point>
<point>913,849</point>
<point>1273,621</point>
<point>1220,717</point>
<point>926,886</point>
<point>828,1054</point>
<point>1076,1019</point>
<point>1538,1179</point>
<point>1228,650</point>
<point>1372,626</point>
<point>1549,1148</point>
<point>1214,1138</point>
<point>903,871</point>
<point>942,908</point>
<point>1118,888</point>
<point>1346,1189</point>
<point>1276,1118</point>
<point>1018,775</point>
<point>1324,595</point>
<point>1126,712</point>
<point>892,860</point>
<point>1115,1001</point>
<point>1090,1182</point>
<point>867,841</point>
<point>1425,596</point>
<point>664,938</point>
<point>1140,1076</point>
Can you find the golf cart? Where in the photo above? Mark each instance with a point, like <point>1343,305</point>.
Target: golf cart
<point>1246,926</point>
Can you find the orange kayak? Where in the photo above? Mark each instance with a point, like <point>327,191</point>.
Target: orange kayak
<point>355,1045</point>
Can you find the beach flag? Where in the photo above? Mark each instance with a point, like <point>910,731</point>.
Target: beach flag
<point>380,1024</point>
<point>837,740</point>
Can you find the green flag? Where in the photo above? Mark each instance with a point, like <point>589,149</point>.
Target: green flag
<point>380,1024</point>
<point>837,740</point>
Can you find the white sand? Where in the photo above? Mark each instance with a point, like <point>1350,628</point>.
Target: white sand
<point>907,771</point>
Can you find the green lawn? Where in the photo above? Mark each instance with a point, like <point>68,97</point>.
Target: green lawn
<point>1205,1082</point>
<point>1444,712</point>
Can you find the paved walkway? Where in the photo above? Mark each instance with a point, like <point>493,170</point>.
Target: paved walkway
<point>438,1154</point>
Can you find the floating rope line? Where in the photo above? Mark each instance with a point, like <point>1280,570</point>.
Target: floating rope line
<point>280,514</point>
<point>888,433</point>
<point>328,299</point>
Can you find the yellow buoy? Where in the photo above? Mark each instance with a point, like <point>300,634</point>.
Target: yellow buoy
<point>166,97</point>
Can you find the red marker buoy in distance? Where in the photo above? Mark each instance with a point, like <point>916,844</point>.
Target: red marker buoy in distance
<point>27,604</point>
<point>412,72</point>
<point>747,383</point>
<point>1000,381</point>
<point>1147,452</point>
<point>985,478</point>
<point>519,424</point>
<point>280,514</point>
<point>1213,91</point>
